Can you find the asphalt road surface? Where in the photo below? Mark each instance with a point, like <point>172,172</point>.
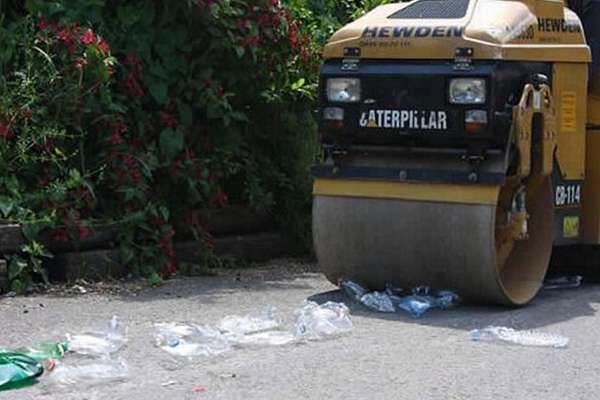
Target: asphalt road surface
<point>384,357</point>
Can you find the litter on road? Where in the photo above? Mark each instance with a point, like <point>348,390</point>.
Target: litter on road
<point>100,343</point>
<point>85,359</point>
<point>524,338</point>
<point>18,370</point>
<point>41,351</point>
<point>392,300</point>
<point>312,322</point>
<point>563,282</point>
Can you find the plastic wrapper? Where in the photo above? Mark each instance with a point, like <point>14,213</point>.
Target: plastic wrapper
<point>563,282</point>
<point>99,343</point>
<point>314,321</point>
<point>266,338</point>
<point>252,323</point>
<point>524,338</point>
<point>378,301</point>
<point>446,299</point>
<point>190,340</point>
<point>353,290</point>
<point>18,370</point>
<point>87,372</point>
<point>392,300</point>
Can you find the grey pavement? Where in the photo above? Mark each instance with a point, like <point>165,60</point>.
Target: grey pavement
<point>384,357</point>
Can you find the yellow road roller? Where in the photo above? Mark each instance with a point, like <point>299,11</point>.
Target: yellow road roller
<point>460,147</point>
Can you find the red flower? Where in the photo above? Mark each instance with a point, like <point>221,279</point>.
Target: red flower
<point>63,33</point>
<point>103,47</point>
<point>129,160</point>
<point>26,113</point>
<point>293,35</point>
<point>115,139</point>
<point>203,3</point>
<point>84,232</point>
<point>221,198</point>
<point>42,24</point>
<point>251,41</point>
<point>168,120</point>
<point>60,235</point>
<point>136,175</point>
<point>6,132</point>
<point>116,131</point>
<point>88,37</point>
<point>80,62</point>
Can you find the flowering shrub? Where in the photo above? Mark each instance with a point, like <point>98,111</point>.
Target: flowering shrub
<point>145,113</point>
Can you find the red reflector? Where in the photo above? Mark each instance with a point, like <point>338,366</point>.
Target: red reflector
<point>474,127</point>
<point>333,124</point>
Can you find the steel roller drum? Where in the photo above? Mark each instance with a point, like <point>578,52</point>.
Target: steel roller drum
<point>444,245</point>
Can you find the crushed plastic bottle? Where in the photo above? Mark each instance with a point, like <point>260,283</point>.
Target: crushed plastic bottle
<point>251,323</point>
<point>41,351</point>
<point>415,305</point>
<point>391,300</point>
<point>378,301</point>
<point>190,340</point>
<point>445,299</point>
<point>88,372</point>
<point>523,338</point>
<point>18,370</point>
<point>563,282</point>
<point>353,290</point>
<point>99,343</point>
<point>314,321</point>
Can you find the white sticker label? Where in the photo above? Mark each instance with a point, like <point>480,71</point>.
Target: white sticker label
<point>567,195</point>
<point>404,119</point>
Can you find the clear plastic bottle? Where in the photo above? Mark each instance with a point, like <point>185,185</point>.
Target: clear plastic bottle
<point>523,338</point>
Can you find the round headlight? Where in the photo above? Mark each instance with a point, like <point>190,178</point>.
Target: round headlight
<point>467,91</point>
<point>343,90</point>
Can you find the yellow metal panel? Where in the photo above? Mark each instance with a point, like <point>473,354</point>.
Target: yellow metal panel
<point>445,193</point>
<point>532,30</point>
<point>591,189</point>
<point>569,90</point>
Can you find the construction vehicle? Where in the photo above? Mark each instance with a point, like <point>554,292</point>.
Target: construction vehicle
<point>460,147</point>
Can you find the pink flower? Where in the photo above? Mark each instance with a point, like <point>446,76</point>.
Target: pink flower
<point>42,24</point>
<point>80,62</point>
<point>84,232</point>
<point>88,37</point>
<point>103,46</point>
<point>5,132</point>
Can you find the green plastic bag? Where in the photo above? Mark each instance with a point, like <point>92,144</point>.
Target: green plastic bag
<point>18,370</point>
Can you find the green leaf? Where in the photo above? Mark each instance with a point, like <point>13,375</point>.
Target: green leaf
<point>298,84</point>
<point>158,89</point>
<point>171,143</point>
<point>6,206</point>
<point>17,286</point>
<point>185,112</point>
<point>164,212</point>
<point>31,230</point>
<point>16,267</point>
<point>155,279</point>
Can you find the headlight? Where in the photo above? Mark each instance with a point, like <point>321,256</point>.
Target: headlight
<point>467,91</point>
<point>343,90</point>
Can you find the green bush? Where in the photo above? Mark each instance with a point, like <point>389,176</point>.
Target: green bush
<point>147,113</point>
